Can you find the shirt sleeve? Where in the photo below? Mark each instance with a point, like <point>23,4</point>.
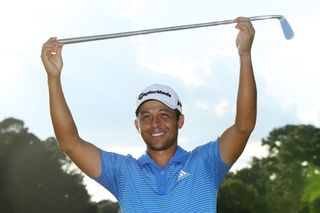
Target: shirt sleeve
<point>212,158</point>
<point>221,167</point>
<point>111,164</point>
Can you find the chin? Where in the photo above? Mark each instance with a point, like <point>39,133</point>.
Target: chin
<point>159,148</point>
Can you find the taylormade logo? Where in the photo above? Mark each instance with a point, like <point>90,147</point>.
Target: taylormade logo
<point>153,92</point>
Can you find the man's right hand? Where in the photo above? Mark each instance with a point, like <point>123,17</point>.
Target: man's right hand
<point>84,154</point>
<point>51,57</point>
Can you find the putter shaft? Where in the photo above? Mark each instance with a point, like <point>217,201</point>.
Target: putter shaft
<point>158,30</point>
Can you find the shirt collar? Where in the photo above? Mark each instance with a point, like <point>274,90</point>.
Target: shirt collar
<point>180,156</point>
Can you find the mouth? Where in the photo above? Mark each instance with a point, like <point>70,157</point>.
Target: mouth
<point>157,134</point>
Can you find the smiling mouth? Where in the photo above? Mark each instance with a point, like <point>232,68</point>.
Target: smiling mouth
<point>158,134</point>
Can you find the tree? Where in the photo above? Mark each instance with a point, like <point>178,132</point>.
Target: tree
<point>283,178</point>
<point>35,176</point>
<point>293,149</point>
<point>311,193</point>
<point>237,197</point>
<point>107,206</point>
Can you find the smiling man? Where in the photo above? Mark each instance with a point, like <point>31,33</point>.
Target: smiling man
<point>166,178</point>
<point>159,116</point>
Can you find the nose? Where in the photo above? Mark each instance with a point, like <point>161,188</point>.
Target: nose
<point>155,122</point>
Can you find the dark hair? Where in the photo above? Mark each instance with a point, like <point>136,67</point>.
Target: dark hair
<point>178,113</point>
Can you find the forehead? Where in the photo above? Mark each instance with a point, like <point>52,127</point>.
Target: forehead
<point>153,105</point>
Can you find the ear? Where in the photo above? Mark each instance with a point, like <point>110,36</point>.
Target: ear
<point>136,123</point>
<point>180,121</point>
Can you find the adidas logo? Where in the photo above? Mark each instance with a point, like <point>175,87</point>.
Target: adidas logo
<point>182,175</point>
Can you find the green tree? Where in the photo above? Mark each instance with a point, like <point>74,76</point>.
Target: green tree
<point>311,193</point>
<point>283,178</point>
<point>107,206</point>
<point>237,197</point>
<point>35,176</point>
<point>293,149</point>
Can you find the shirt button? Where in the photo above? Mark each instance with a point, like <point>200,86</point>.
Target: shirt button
<point>162,173</point>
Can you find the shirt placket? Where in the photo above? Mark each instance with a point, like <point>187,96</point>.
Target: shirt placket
<point>162,181</point>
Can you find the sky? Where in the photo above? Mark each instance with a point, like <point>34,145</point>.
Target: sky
<point>101,79</point>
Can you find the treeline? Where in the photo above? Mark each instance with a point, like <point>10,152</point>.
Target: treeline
<point>35,176</point>
<point>286,181</point>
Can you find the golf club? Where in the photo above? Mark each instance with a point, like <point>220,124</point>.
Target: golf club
<point>286,29</point>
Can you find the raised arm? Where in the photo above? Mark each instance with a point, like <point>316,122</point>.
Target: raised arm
<point>83,154</point>
<point>234,139</point>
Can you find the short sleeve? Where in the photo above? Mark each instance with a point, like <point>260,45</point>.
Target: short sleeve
<point>222,168</point>
<point>211,156</point>
<point>111,165</point>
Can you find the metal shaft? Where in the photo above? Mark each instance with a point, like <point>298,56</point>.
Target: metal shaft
<point>158,30</point>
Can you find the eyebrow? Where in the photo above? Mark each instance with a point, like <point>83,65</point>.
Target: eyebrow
<point>160,110</point>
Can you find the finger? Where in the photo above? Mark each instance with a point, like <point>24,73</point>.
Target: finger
<point>52,46</point>
<point>52,38</point>
<point>245,26</point>
<point>52,41</point>
<point>48,49</point>
<point>243,20</point>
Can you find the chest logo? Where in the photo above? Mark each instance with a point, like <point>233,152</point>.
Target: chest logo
<point>182,175</point>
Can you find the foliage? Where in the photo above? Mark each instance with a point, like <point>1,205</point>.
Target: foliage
<point>35,176</point>
<point>237,197</point>
<point>311,193</point>
<point>283,178</point>
<point>107,206</point>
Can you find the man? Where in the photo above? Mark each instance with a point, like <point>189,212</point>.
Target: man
<point>166,178</point>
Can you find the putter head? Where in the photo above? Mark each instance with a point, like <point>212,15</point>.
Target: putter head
<point>286,28</point>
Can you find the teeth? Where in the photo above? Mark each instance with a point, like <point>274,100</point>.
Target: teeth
<point>157,134</point>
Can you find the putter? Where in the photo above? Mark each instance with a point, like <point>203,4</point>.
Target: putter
<point>286,29</point>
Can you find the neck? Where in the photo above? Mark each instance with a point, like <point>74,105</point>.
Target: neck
<point>162,157</point>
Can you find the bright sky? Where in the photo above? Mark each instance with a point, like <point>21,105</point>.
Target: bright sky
<point>101,79</point>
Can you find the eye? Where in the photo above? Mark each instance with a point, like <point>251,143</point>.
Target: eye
<point>164,115</point>
<point>145,117</point>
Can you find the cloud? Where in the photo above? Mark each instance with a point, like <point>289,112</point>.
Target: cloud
<point>221,108</point>
<point>175,67</point>
<point>193,68</point>
<point>177,55</point>
<point>310,114</point>
<point>10,67</point>
<point>130,9</point>
<point>20,38</point>
<point>202,105</point>
<point>292,76</point>
<point>15,42</point>
<point>253,149</point>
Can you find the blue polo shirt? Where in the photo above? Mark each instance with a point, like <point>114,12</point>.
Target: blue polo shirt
<point>189,183</point>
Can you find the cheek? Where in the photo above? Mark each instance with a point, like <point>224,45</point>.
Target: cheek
<point>143,127</point>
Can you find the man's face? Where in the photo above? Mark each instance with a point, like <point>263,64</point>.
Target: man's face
<point>158,125</point>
